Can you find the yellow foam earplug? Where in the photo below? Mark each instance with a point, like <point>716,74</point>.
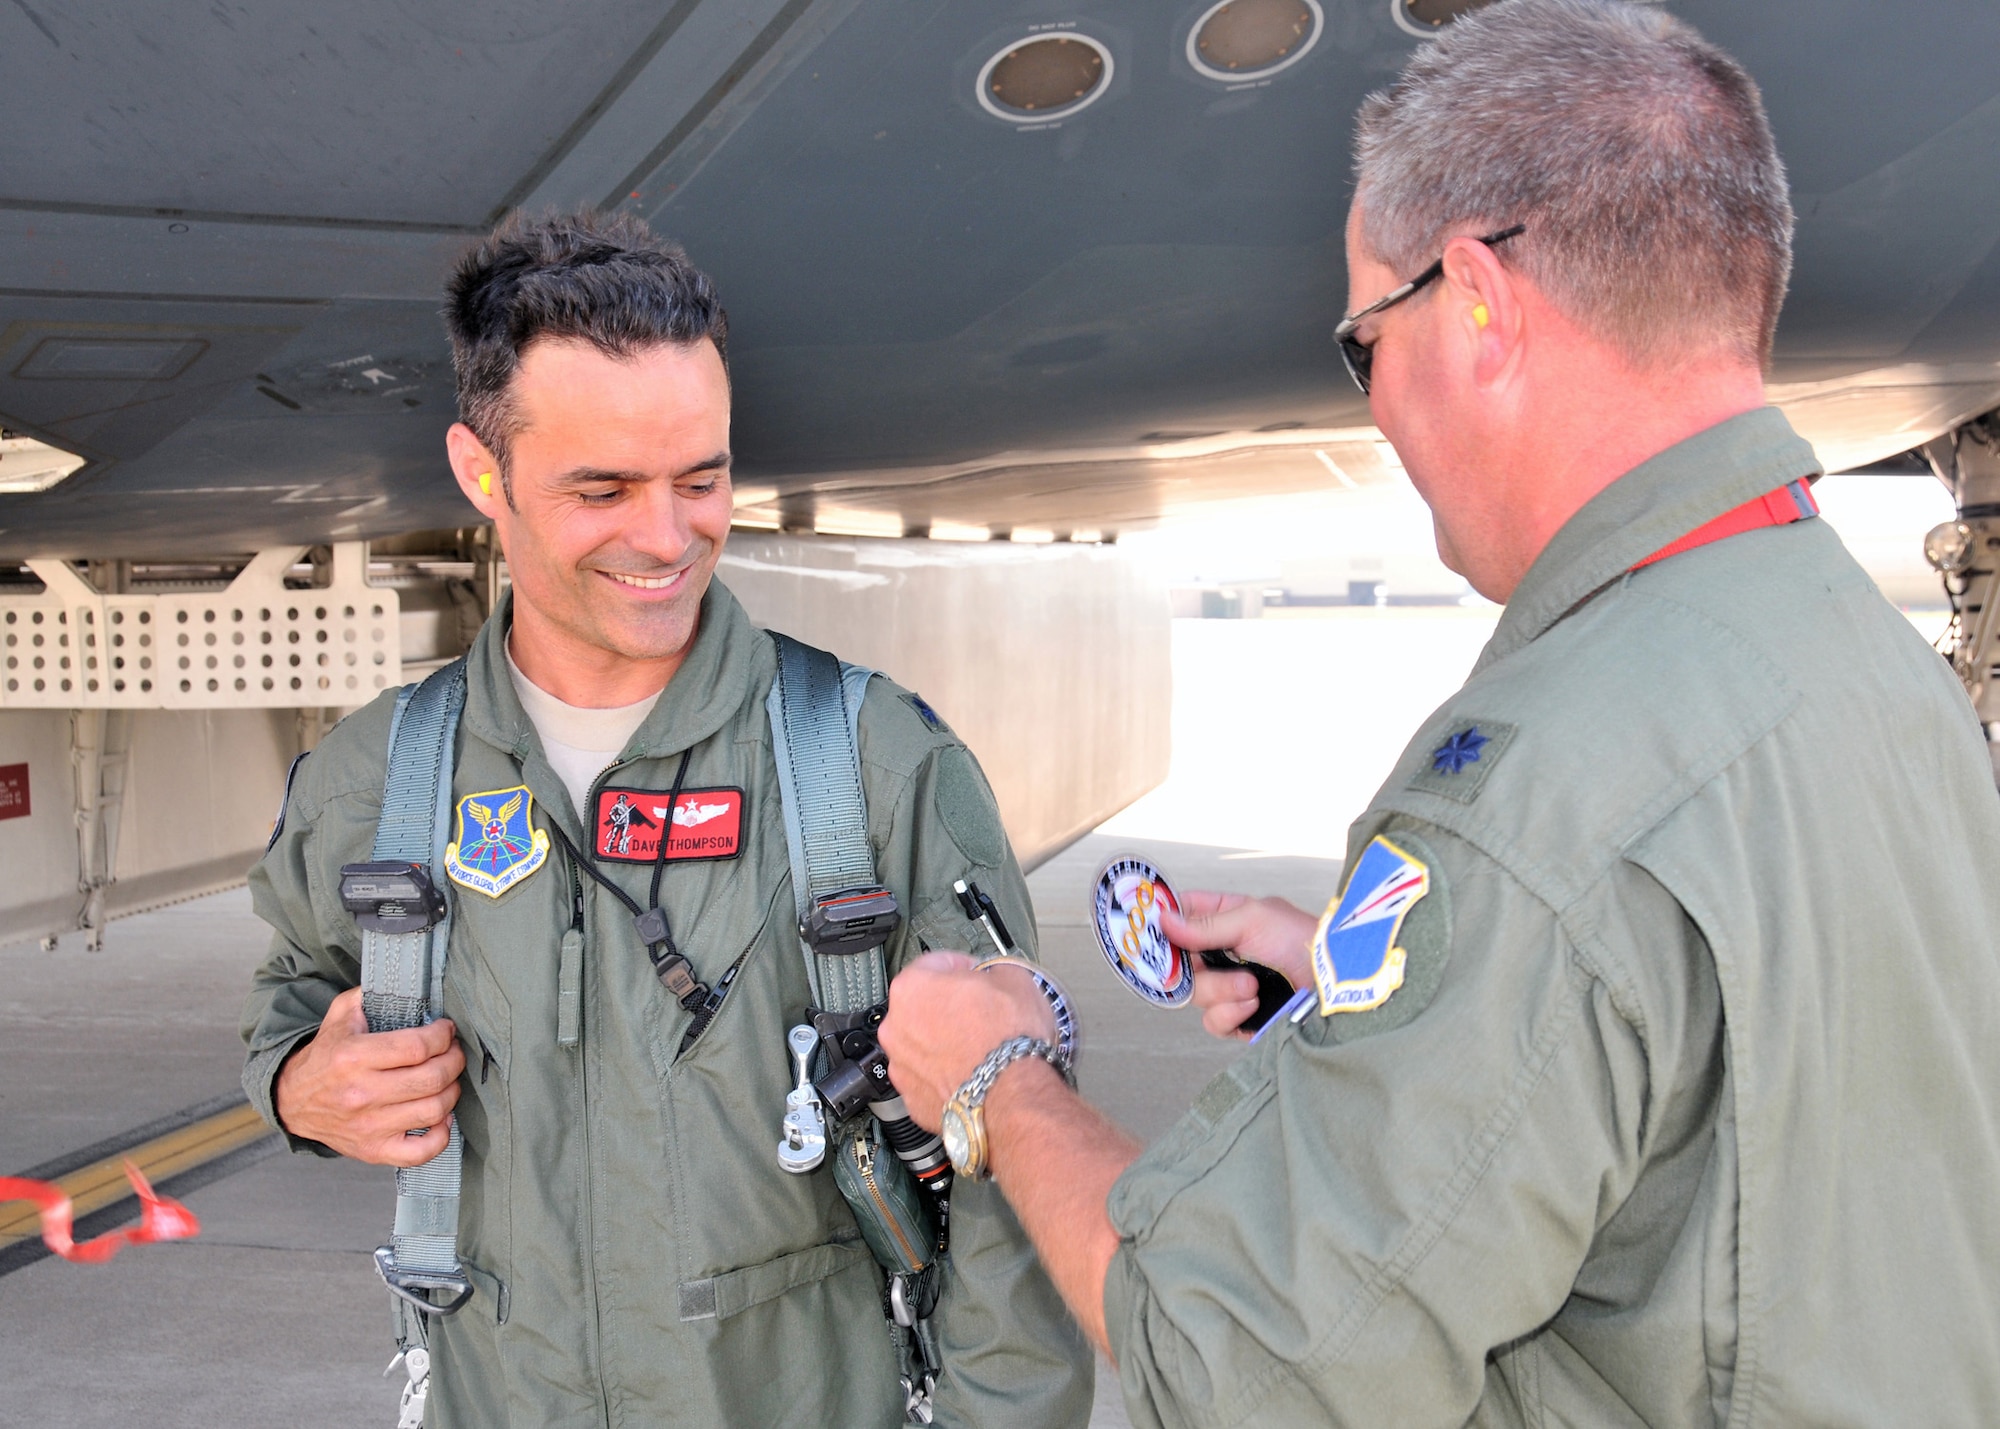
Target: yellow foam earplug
<point>1479,314</point>
<point>486,477</point>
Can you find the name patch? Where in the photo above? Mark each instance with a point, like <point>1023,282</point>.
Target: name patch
<point>703,824</point>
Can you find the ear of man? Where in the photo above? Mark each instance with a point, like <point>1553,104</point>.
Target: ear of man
<point>1484,298</point>
<point>471,461</point>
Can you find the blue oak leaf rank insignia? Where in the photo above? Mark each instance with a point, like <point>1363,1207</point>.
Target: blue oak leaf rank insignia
<point>498,844</point>
<point>1356,963</point>
<point>1458,751</point>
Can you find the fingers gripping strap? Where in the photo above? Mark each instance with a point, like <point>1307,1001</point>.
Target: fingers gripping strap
<point>402,974</point>
<point>426,1236</point>
<point>815,708</point>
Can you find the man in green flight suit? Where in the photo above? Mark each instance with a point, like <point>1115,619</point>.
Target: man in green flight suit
<point>638,1255</point>
<point>1643,1072</point>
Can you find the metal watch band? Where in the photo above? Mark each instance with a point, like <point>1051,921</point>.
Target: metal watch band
<point>973,1093</point>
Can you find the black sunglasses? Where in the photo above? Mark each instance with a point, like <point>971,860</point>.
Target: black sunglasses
<point>1359,355</point>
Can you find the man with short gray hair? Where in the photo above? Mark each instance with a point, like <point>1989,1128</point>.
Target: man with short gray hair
<point>1643,1070</point>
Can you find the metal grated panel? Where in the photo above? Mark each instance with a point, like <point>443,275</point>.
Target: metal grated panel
<point>255,645</point>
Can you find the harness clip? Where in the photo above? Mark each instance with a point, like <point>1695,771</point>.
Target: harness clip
<point>852,920</point>
<point>391,897</point>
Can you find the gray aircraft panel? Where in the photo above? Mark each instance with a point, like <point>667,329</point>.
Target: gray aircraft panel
<point>918,288</point>
<point>418,111</point>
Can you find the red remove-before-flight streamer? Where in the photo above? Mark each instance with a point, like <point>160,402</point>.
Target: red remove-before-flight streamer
<point>160,1218</point>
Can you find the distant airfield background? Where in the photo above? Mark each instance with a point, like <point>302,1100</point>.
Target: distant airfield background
<point>1285,722</point>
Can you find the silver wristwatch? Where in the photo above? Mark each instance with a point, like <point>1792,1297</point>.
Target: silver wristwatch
<point>964,1128</point>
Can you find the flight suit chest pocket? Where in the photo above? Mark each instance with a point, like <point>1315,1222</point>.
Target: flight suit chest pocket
<point>480,1011</point>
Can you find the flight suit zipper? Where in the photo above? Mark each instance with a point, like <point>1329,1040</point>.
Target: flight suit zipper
<point>712,1004</point>
<point>585,1200</point>
<point>864,1162</point>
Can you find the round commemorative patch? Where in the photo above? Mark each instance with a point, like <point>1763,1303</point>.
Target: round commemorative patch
<point>1129,895</point>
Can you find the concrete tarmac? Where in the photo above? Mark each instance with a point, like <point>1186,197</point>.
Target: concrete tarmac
<point>273,1316</point>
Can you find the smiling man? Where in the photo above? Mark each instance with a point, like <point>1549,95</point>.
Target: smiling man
<point>636,1253</point>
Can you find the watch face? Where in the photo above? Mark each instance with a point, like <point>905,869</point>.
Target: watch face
<point>956,1144</point>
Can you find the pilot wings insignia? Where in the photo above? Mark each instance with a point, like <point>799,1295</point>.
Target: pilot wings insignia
<point>498,844</point>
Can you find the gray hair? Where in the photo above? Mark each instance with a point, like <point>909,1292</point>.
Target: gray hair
<point>1636,153</point>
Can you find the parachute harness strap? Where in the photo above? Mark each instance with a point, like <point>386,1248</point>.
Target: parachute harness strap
<point>402,979</point>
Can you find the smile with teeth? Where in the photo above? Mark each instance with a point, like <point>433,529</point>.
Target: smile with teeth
<point>645,582</point>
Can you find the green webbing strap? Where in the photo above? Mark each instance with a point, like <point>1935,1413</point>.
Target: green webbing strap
<point>815,711</point>
<point>402,975</point>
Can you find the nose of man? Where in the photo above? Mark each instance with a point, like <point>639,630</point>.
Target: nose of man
<point>660,529</point>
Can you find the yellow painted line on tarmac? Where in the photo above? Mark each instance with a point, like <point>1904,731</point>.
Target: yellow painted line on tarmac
<point>102,1183</point>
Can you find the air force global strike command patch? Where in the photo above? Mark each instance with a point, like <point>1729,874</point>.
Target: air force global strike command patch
<point>1355,960</point>
<point>1127,902</point>
<point>498,844</point>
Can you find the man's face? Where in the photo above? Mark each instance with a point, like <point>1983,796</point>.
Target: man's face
<point>619,477</point>
<point>1413,387</point>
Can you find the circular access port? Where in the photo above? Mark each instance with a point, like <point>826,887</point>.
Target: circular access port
<point>1046,78</point>
<point>1427,17</point>
<point>1241,40</point>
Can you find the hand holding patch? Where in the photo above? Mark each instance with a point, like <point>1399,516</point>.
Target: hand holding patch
<point>1268,938</point>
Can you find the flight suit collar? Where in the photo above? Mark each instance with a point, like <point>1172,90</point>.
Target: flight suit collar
<point>729,657</point>
<point>1654,504</point>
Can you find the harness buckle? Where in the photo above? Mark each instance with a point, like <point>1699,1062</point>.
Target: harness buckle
<point>395,897</point>
<point>852,920</point>
<point>415,1286</point>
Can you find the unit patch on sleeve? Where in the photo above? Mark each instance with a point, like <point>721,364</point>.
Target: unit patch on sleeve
<point>706,823</point>
<point>498,844</point>
<point>1356,962</point>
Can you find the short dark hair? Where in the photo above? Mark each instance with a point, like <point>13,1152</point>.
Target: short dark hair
<point>1636,153</point>
<point>601,278</point>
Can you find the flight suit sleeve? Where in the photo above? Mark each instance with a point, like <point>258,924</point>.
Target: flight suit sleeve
<point>1011,1352</point>
<point>315,947</point>
<point>1358,1213</point>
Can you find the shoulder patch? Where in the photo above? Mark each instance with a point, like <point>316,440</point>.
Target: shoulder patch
<point>1388,932</point>
<point>1356,962</point>
<point>1457,767</point>
<point>967,808</point>
<point>497,844</point>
